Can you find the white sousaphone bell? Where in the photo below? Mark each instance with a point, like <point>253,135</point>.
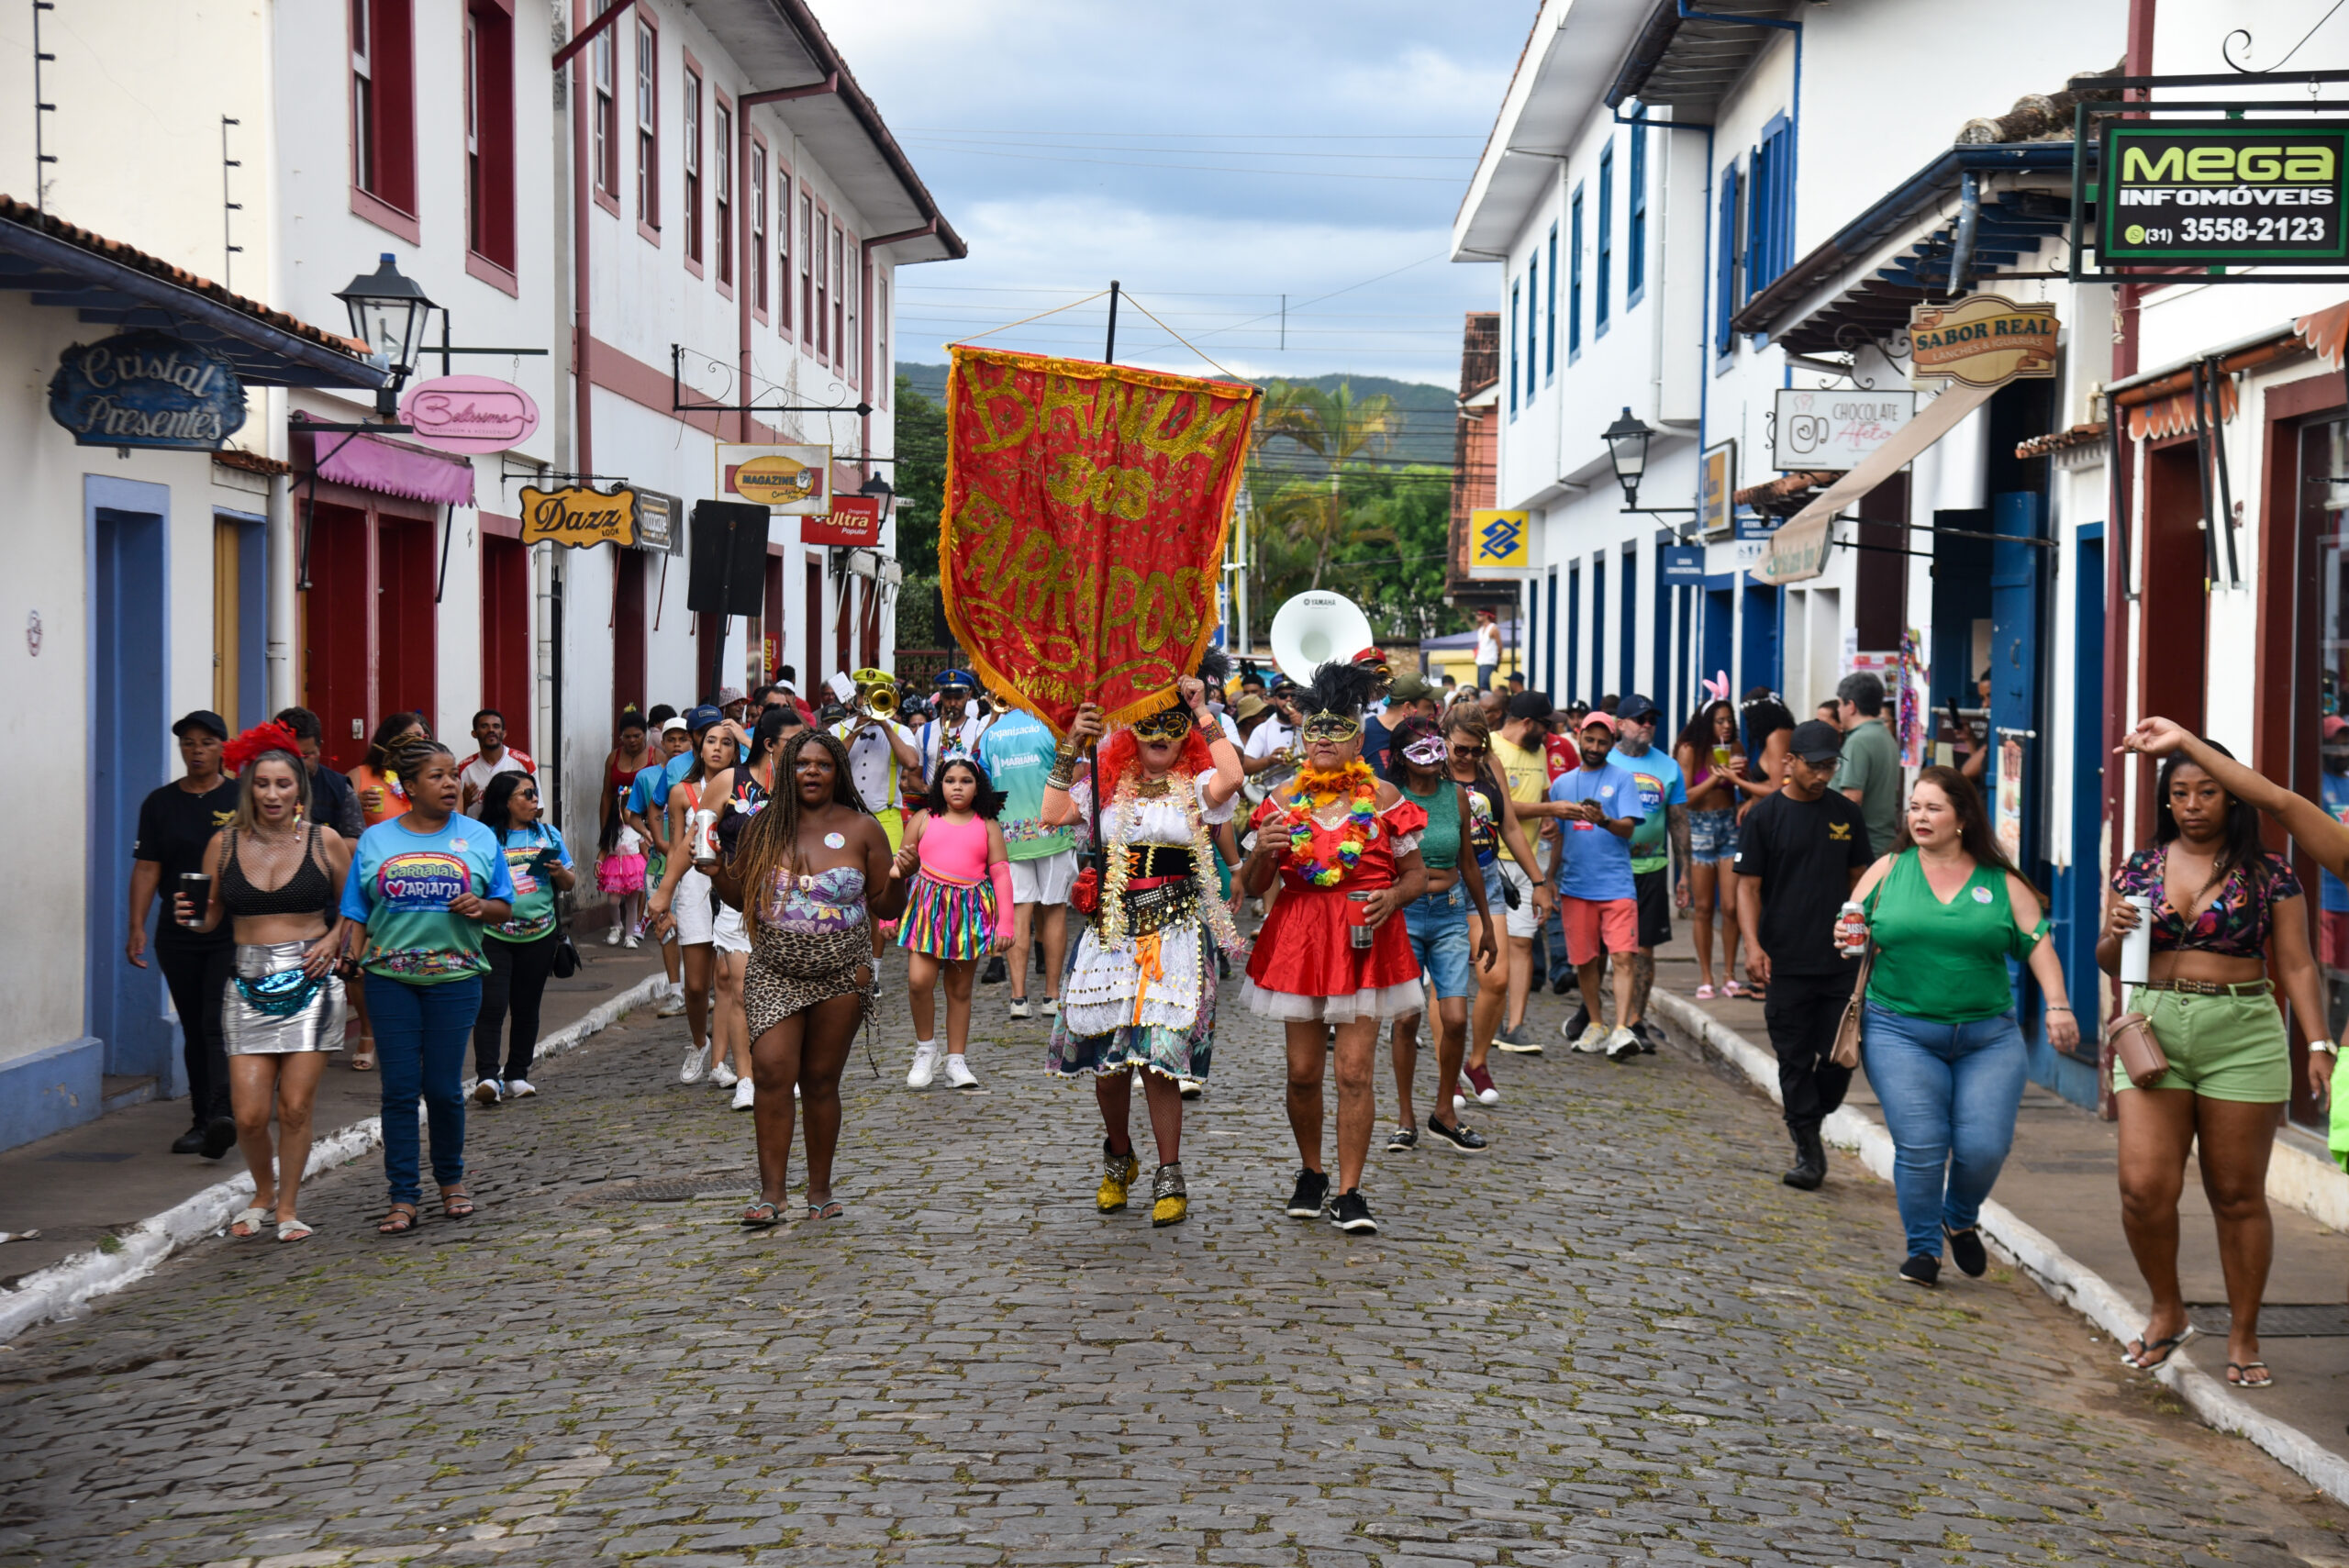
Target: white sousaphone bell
<point>1315,629</point>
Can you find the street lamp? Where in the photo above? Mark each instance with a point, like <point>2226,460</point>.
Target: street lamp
<point>387,312</point>
<point>880,490</point>
<point>1627,448</point>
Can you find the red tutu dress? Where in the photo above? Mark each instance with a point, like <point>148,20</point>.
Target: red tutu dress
<point>1304,966</point>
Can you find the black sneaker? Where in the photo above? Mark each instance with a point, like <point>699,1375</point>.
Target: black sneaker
<point>1311,1195</point>
<point>1352,1215</point>
<point>995,974</point>
<point>1403,1139</point>
<point>1576,1025</point>
<point>1562,984</point>
<point>1647,1040</point>
<point>1458,1139</point>
<point>1967,1252</point>
<point>219,1137</point>
<point>1923,1271</point>
<point>189,1142</point>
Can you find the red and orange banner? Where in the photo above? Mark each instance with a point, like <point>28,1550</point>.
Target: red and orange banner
<point>1084,526</point>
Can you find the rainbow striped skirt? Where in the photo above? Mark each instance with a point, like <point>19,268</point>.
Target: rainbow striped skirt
<point>947,918</point>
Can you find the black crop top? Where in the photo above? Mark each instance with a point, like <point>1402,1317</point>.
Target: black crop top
<point>306,892</point>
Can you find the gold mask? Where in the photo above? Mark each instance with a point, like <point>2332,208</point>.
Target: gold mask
<point>1167,724</point>
<point>1336,728</point>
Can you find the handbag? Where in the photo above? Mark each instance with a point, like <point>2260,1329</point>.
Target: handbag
<point>2131,1036</point>
<point>1846,1051</point>
<point>566,956</point>
<point>1084,893</point>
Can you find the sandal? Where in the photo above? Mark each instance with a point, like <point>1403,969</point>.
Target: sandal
<point>829,1209</point>
<point>248,1221</point>
<point>293,1230</point>
<point>2239,1375</point>
<point>760,1215</point>
<point>458,1205</point>
<point>2135,1361</point>
<point>1732,989</point>
<point>398,1223</point>
<point>1704,992</point>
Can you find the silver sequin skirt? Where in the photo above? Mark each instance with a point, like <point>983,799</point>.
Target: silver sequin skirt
<point>248,1031</point>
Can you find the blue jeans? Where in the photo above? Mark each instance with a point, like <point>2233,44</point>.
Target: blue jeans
<point>1949,1093</point>
<point>420,1035</point>
<point>1438,923</point>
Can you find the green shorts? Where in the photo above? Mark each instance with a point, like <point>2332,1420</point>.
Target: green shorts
<point>2222,1047</point>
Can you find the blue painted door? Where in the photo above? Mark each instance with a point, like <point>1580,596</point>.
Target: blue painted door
<point>2015,596</point>
<point>127,1005</point>
<point>2079,887</point>
<point>1758,647</point>
<point>1721,628</point>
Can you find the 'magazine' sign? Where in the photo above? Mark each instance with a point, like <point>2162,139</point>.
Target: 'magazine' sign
<point>469,414</point>
<point>789,479</point>
<point>577,518</point>
<point>147,389</point>
<point>2201,194</point>
<point>1985,340</point>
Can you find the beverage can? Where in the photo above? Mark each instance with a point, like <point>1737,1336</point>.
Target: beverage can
<point>1361,935</point>
<point>1852,929</point>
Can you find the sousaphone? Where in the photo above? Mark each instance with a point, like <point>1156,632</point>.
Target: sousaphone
<point>1315,629</point>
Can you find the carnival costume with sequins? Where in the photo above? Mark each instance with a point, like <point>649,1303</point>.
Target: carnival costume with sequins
<point>1306,965</point>
<point>1140,986</point>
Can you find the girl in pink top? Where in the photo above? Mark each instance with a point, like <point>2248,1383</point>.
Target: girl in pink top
<point>958,910</point>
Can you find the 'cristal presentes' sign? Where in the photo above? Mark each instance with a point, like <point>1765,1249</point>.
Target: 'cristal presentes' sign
<point>147,389</point>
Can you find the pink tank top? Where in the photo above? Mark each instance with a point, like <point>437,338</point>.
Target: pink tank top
<point>957,851</point>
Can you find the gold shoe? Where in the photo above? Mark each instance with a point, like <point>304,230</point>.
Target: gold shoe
<point>1117,1174</point>
<point>1170,1204</point>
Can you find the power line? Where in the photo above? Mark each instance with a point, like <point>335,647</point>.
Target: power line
<point>1212,135</point>
<point>1189,168</point>
<point>1216,151</point>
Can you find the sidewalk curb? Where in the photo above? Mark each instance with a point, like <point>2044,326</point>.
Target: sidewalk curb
<point>64,1289</point>
<point>2054,1270</point>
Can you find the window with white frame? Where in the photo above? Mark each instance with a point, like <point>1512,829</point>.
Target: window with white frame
<point>693,168</point>
<point>648,125</point>
<point>721,152</point>
<point>756,253</point>
<point>602,69</point>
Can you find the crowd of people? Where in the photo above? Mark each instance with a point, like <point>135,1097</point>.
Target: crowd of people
<point>1398,850</point>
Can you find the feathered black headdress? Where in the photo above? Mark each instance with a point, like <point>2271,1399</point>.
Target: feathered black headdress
<point>1215,669</point>
<point>1340,688</point>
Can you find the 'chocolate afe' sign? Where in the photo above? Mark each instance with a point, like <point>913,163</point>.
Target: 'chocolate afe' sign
<point>147,389</point>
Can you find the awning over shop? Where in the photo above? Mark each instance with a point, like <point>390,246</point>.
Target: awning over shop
<point>1798,551</point>
<point>112,284</point>
<point>388,468</point>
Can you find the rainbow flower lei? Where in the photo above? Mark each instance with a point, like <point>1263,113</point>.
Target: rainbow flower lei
<point>1360,816</point>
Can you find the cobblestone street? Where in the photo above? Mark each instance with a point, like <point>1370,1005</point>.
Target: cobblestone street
<point>1614,1338</point>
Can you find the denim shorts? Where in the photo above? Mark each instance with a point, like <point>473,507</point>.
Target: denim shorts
<point>1438,923</point>
<point>1712,835</point>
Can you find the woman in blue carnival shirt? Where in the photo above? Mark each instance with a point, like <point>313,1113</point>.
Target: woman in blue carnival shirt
<point>423,886</point>
<point>521,950</point>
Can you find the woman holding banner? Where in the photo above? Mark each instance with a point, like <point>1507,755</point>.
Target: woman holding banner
<point>1140,989</point>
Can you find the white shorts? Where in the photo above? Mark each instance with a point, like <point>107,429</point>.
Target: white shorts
<point>1522,921</point>
<point>1044,880</point>
<point>726,932</point>
<point>693,908</point>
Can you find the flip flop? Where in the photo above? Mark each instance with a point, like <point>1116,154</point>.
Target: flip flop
<point>829,1209</point>
<point>2239,1375</point>
<point>1704,992</point>
<point>2136,1359</point>
<point>251,1219</point>
<point>399,1221</point>
<point>1732,989</point>
<point>760,1215</point>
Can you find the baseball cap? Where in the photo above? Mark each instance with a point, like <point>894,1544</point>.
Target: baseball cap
<point>1529,705</point>
<point>1411,687</point>
<point>2333,725</point>
<point>1635,708</point>
<point>202,718</point>
<point>1597,718</point>
<point>669,725</point>
<point>702,718</point>
<point>1817,741</point>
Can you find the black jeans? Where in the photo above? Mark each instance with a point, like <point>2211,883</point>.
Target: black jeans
<point>517,980</point>
<point>1802,1012</point>
<point>197,976</point>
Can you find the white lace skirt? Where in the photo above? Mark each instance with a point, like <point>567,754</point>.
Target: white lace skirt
<point>1104,982</point>
<point>1380,1002</point>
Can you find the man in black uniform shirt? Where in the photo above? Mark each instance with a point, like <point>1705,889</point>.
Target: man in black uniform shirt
<point>1799,854</point>
<point>175,824</point>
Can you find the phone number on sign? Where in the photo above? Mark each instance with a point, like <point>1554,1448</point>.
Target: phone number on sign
<point>2285,230</point>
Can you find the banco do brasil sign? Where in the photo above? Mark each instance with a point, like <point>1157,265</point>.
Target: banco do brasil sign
<point>2209,195</point>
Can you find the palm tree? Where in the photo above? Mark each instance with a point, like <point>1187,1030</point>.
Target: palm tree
<point>1331,430</point>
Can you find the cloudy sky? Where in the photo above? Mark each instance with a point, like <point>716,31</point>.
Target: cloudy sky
<point>1212,157</point>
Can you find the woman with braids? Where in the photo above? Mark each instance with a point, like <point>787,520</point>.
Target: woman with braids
<point>376,782</point>
<point>735,795</point>
<point>1437,922</point>
<point>1346,846</point>
<point>811,873</point>
<point>421,889</point>
<point>1141,988</point>
<point>275,874</point>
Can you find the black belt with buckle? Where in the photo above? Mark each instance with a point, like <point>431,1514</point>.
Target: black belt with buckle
<point>1158,859</point>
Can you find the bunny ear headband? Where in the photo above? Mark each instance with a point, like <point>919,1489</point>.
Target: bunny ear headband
<point>1717,688</point>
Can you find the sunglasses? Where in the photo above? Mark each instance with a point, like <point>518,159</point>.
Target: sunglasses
<point>1469,752</point>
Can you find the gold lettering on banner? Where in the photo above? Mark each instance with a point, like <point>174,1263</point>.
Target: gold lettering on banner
<point>577,517</point>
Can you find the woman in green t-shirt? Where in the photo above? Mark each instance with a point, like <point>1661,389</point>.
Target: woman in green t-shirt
<point>1946,910</point>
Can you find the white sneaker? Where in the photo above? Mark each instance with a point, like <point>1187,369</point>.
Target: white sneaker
<point>1459,1103</point>
<point>959,1074</point>
<point>1051,1007</point>
<point>742,1095</point>
<point>1595,1038</point>
<point>612,938</point>
<point>1019,1007</point>
<point>1621,1045</point>
<point>521,1089</point>
<point>722,1075</point>
<point>696,1062</point>
<point>1191,1087</point>
<point>485,1092</point>
<point>673,1007</point>
<point>925,1067</point>
<point>631,941</point>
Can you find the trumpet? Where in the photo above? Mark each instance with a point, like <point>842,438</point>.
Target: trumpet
<point>876,692</point>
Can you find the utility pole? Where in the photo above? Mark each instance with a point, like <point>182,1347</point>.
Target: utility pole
<point>42,156</point>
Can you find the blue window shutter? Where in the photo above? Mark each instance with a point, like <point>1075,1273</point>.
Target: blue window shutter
<point>1635,204</point>
<point>1573,275</point>
<point>1533,325</point>
<point>1631,593</point>
<point>1550,326</point>
<point>1725,263</point>
<point>1605,236</point>
<point>1512,350</point>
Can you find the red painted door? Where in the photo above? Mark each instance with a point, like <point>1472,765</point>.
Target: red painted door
<point>337,634</point>
<point>406,679</point>
<point>506,634</point>
<point>813,675</point>
<point>628,632</point>
<point>771,616</point>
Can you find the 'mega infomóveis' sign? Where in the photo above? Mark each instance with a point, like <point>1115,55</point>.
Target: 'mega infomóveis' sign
<point>2202,193</point>
<point>147,389</point>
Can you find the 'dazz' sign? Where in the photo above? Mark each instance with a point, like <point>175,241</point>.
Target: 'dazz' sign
<point>147,389</point>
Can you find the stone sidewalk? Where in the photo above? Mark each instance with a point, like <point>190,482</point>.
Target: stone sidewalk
<point>1614,1338</point>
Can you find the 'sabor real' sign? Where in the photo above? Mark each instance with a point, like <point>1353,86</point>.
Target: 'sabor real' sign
<point>147,389</point>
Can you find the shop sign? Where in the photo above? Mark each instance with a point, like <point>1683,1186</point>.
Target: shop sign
<point>1717,490</point>
<point>1823,429</point>
<point>577,518</point>
<point>1682,564</point>
<point>656,522</point>
<point>1985,340</point>
<point>1500,542</point>
<point>2203,194</point>
<point>791,479</point>
<point>469,414</point>
<point>147,389</point>
<point>854,521</point>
